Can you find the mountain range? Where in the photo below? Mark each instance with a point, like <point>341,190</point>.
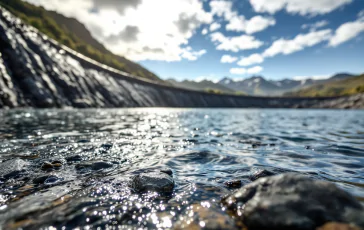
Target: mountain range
<point>257,85</point>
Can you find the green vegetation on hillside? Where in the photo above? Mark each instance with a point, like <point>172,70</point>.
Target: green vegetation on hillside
<point>63,30</point>
<point>346,87</point>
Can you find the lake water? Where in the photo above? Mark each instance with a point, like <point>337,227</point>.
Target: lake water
<point>203,147</point>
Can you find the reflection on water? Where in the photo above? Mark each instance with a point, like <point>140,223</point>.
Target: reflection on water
<point>204,148</point>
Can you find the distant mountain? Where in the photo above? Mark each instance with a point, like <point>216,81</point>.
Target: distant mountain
<point>73,34</point>
<point>340,85</point>
<point>204,85</point>
<point>256,85</point>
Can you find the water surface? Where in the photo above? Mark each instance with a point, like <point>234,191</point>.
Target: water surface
<point>203,147</point>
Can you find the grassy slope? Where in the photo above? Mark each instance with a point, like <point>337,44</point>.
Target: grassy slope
<point>344,87</point>
<point>73,34</point>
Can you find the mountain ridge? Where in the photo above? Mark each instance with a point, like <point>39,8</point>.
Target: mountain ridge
<point>258,85</point>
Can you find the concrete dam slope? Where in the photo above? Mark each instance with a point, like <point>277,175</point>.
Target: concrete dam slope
<point>35,71</point>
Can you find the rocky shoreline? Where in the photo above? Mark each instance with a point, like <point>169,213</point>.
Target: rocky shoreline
<point>271,200</point>
<point>37,72</point>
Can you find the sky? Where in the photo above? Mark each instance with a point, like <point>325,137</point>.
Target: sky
<point>212,39</point>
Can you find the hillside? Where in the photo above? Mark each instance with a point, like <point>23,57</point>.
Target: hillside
<point>204,85</point>
<point>345,87</point>
<point>73,34</point>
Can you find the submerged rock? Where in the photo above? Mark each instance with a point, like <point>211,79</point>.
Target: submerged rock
<point>152,181</point>
<point>46,179</point>
<point>74,158</point>
<point>102,165</point>
<point>260,173</point>
<point>198,217</point>
<point>233,183</point>
<point>167,171</point>
<point>12,168</point>
<point>292,201</point>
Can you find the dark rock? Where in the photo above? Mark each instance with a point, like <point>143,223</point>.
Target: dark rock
<point>47,166</point>
<point>152,181</point>
<point>74,158</point>
<point>106,146</point>
<point>101,165</point>
<point>83,166</point>
<point>233,184</point>
<point>292,201</point>
<point>46,179</point>
<point>259,173</point>
<point>167,171</point>
<point>12,168</point>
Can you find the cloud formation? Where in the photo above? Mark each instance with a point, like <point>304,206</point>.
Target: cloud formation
<point>235,44</point>
<point>302,7</point>
<point>346,32</point>
<point>300,42</point>
<point>123,28</point>
<point>228,59</point>
<point>251,60</point>
<point>254,25</point>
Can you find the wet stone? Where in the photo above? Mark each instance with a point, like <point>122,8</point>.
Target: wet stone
<point>102,165</point>
<point>167,171</point>
<point>106,146</point>
<point>83,166</point>
<point>47,166</point>
<point>292,201</point>
<point>199,217</point>
<point>152,181</point>
<point>260,173</point>
<point>12,168</point>
<point>46,179</point>
<point>74,158</point>
<point>233,184</point>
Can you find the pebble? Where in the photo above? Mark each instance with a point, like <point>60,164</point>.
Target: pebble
<point>102,165</point>
<point>74,158</point>
<point>260,173</point>
<point>233,184</point>
<point>152,181</point>
<point>12,168</point>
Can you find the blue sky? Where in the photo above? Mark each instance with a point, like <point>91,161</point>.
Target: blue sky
<point>193,39</point>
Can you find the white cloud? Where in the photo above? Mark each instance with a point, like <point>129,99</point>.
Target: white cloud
<point>235,44</point>
<point>228,59</point>
<point>215,26</point>
<point>255,70</point>
<point>301,41</point>
<point>346,32</point>
<point>239,71</point>
<point>255,24</point>
<point>160,37</point>
<point>192,55</point>
<point>222,8</point>
<point>204,31</point>
<point>315,25</point>
<point>302,7</point>
<point>251,60</point>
